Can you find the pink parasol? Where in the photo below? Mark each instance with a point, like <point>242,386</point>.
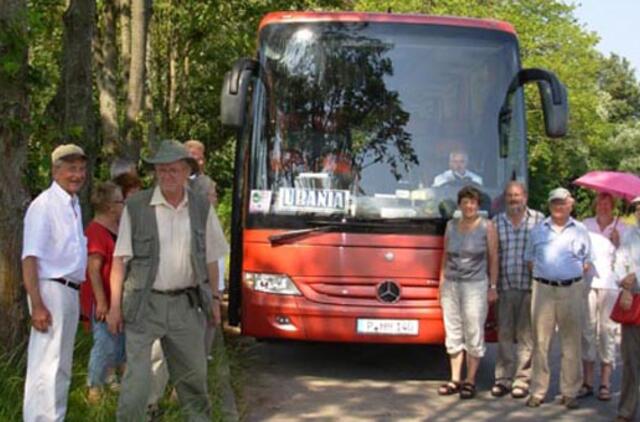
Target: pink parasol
<point>622,185</point>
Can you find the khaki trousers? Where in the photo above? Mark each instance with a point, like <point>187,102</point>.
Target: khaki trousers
<point>553,306</point>
<point>180,328</point>
<point>515,339</point>
<point>630,389</point>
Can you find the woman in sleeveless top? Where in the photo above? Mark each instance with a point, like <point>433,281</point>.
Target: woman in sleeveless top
<point>468,278</point>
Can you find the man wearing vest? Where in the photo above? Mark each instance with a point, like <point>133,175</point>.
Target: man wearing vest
<point>168,246</point>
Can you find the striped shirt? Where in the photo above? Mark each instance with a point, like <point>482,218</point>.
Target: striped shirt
<point>512,242</point>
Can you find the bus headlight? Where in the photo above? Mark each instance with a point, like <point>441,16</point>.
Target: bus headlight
<point>279,284</point>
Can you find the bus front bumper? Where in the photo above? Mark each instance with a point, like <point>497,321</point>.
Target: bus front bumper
<point>271,316</point>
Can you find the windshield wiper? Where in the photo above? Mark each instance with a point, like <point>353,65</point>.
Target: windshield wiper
<point>279,239</point>
<point>324,226</point>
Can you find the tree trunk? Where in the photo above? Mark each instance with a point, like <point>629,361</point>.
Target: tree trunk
<point>106,79</point>
<point>72,107</point>
<point>140,12</point>
<point>14,117</point>
<point>125,38</point>
<point>152,130</point>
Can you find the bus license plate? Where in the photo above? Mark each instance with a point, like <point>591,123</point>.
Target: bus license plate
<point>397,327</point>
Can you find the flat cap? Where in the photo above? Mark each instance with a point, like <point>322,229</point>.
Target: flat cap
<point>66,151</point>
<point>559,194</point>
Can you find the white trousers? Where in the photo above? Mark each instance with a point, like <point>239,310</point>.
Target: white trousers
<point>50,355</point>
<point>464,309</point>
<point>599,331</point>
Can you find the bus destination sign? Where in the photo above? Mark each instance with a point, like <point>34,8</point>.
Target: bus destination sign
<point>321,201</point>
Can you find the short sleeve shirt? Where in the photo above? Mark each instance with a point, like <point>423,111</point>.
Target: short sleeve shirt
<point>102,242</point>
<point>53,235</point>
<point>174,269</point>
<point>559,254</point>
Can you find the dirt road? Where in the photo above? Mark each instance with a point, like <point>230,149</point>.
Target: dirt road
<point>330,382</point>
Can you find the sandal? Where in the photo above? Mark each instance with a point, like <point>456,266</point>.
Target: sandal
<point>585,391</point>
<point>448,389</point>
<point>467,390</point>
<point>603,393</point>
<point>519,392</point>
<point>499,390</point>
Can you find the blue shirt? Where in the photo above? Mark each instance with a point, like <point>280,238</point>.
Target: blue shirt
<point>559,255</point>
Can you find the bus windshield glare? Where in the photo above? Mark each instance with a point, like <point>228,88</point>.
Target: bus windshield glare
<point>381,121</point>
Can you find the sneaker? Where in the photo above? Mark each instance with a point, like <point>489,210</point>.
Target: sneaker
<point>534,401</point>
<point>153,413</point>
<point>114,386</point>
<point>94,395</point>
<point>570,402</point>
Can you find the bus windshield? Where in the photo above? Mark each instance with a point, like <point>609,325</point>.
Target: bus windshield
<point>381,121</point>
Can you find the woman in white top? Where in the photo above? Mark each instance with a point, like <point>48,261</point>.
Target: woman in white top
<point>601,291</point>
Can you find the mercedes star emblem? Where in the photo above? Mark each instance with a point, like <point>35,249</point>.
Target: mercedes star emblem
<point>388,292</point>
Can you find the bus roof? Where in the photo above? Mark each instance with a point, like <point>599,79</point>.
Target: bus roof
<point>284,17</point>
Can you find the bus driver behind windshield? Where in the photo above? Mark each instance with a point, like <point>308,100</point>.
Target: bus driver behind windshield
<point>458,161</point>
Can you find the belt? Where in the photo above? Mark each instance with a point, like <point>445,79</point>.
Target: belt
<point>65,282</point>
<point>559,283</point>
<point>174,292</point>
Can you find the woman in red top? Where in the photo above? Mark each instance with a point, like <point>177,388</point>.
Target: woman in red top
<point>107,352</point>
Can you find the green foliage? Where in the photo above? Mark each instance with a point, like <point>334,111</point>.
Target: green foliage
<point>13,369</point>
<point>12,44</point>
<point>203,39</point>
<point>617,78</point>
<point>45,43</point>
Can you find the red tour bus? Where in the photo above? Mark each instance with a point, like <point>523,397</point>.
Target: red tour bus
<point>343,122</point>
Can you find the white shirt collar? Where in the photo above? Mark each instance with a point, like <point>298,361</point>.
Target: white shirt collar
<point>63,194</point>
<point>570,222</point>
<point>158,199</point>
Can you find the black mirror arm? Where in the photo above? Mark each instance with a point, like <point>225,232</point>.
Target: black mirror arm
<point>536,75</point>
<point>238,68</point>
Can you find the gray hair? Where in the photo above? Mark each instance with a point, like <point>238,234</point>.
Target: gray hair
<point>459,152</point>
<point>516,183</point>
<point>121,166</point>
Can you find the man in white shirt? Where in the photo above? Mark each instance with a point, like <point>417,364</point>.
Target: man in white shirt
<point>54,261</point>
<point>458,161</point>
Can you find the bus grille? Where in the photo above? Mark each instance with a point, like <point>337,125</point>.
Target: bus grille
<point>412,292</point>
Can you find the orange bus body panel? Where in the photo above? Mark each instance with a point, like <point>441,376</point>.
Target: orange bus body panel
<point>338,274</point>
<point>292,17</point>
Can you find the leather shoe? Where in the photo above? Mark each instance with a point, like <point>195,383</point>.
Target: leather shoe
<point>534,401</point>
<point>570,402</point>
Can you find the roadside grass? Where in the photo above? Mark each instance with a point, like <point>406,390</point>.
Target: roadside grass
<point>13,367</point>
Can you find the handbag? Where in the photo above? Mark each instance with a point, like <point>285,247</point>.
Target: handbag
<point>630,316</point>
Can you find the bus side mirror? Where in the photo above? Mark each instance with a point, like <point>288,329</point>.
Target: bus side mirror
<point>553,95</point>
<point>235,88</point>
